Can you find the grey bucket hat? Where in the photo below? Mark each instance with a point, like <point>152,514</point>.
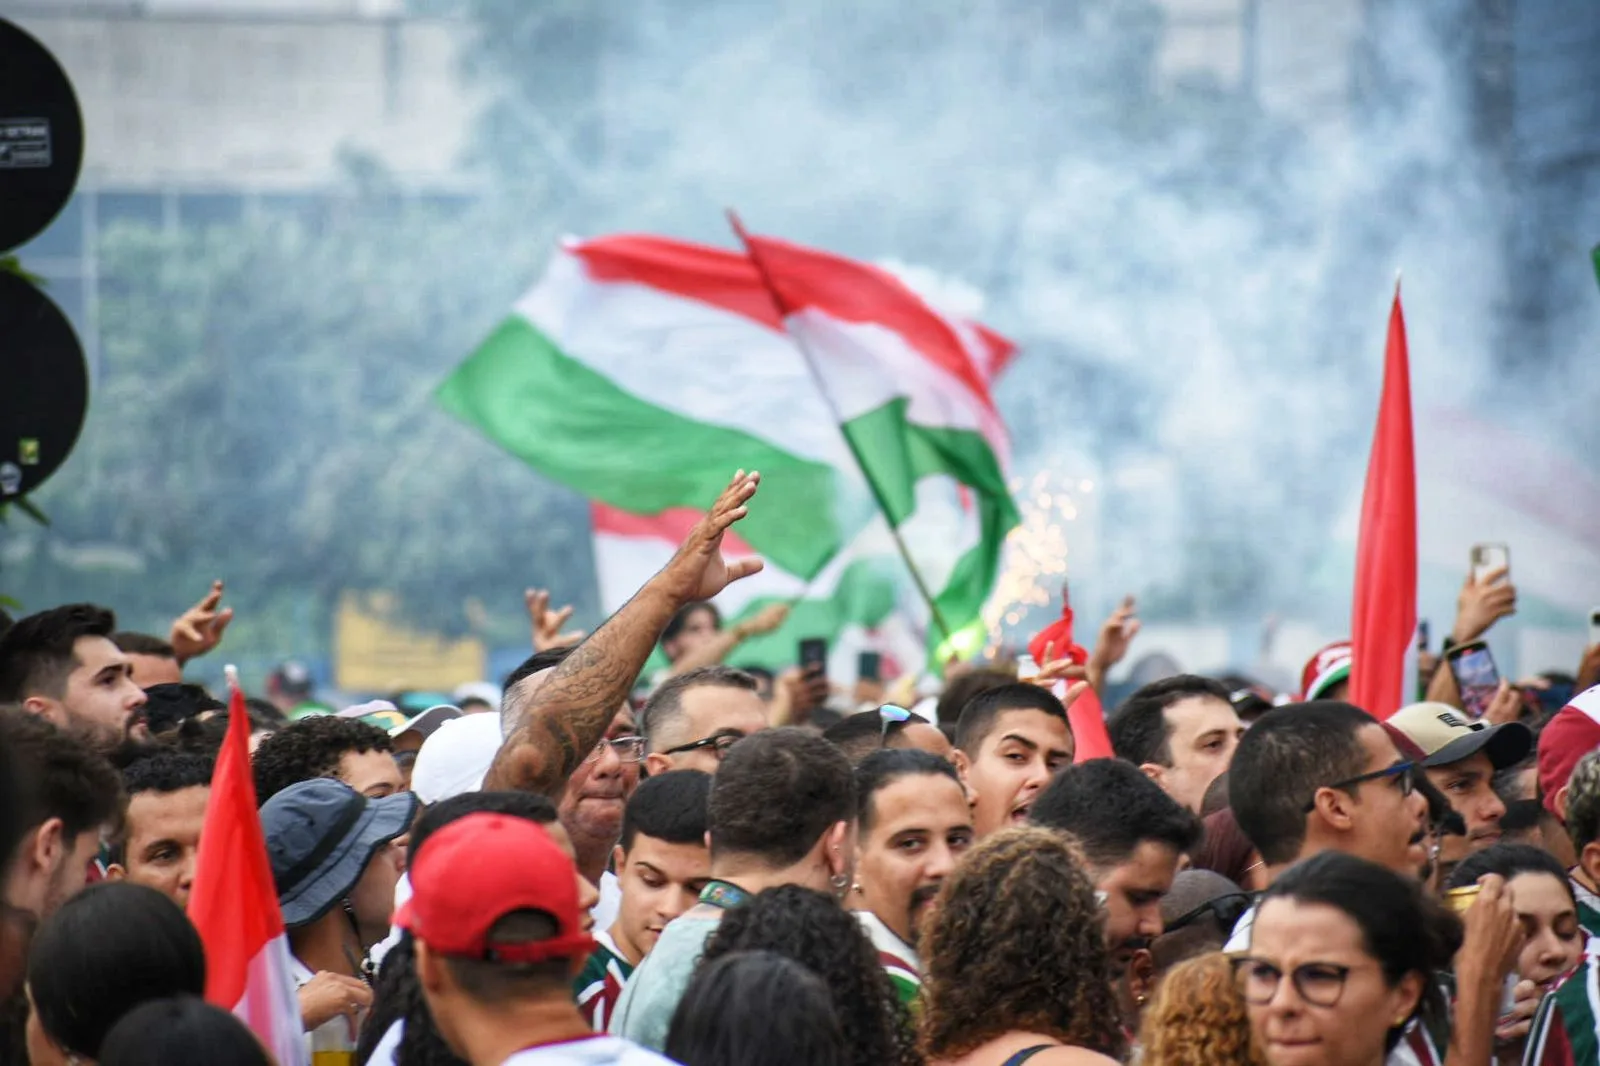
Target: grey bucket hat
<point>321,835</point>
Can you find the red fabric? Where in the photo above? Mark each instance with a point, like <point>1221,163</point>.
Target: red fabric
<point>234,903</point>
<point>1087,720</point>
<point>1384,615</point>
<point>1055,641</point>
<point>1567,737</point>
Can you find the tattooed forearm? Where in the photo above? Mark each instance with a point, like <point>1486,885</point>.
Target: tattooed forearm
<point>568,714</point>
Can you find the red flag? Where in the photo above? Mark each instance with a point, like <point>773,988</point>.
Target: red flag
<point>1384,615</point>
<point>234,904</point>
<point>1086,718</point>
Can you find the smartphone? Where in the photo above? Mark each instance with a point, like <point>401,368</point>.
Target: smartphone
<point>1476,676</point>
<point>1422,635</point>
<point>1594,626</point>
<point>1487,558</point>
<point>813,656</point>
<point>869,666</point>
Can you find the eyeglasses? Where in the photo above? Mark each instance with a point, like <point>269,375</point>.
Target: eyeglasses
<point>1318,983</point>
<point>719,745</point>
<point>890,714</point>
<point>1227,910</point>
<point>628,749</point>
<point>1404,773</point>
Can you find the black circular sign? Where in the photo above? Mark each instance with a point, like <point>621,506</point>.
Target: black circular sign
<point>41,137</point>
<point>46,389</point>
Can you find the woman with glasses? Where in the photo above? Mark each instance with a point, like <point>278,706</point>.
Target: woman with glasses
<point>1341,961</point>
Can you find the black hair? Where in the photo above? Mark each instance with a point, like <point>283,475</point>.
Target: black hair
<point>1111,807</point>
<point>756,1006</point>
<point>264,713</point>
<point>776,793</point>
<point>979,715</point>
<point>666,702</point>
<point>1508,860</point>
<point>311,748</point>
<point>1139,728</point>
<point>1280,763</point>
<point>859,735</point>
<point>58,776</point>
<point>670,806</point>
<point>181,1031</point>
<point>1216,797</point>
<point>166,771</point>
<point>169,705</point>
<point>533,664</point>
<point>397,995</point>
<point>813,930</point>
<point>1404,929</point>
<point>37,652</point>
<point>143,644</point>
<point>962,689</point>
<point>103,952</point>
<point>688,611</point>
<point>888,765</point>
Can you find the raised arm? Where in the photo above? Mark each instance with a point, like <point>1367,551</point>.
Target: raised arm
<point>569,713</point>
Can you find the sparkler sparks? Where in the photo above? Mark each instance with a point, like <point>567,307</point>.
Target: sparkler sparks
<point>1036,551</point>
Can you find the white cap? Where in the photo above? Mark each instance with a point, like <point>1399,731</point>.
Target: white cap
<point>477,690</point>
<point>456,758</point>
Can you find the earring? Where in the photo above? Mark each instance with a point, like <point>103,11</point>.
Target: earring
<point>857,887</point>
<point>840,883</point>
<point>1141,999</point>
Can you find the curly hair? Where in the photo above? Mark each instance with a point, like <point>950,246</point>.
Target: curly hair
<point>309,749</point>
<point>1016,943</point>
<point>813,930</point>
<point>1198,1018</point>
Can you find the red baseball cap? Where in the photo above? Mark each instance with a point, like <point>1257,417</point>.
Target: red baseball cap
<point>476,870</point>
<point>1571,734</point>
<point>1325,669</point>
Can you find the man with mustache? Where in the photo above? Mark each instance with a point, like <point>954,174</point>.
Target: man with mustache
<point>1460,758</point>
<point>1133,835</point>
<point>913,824</point>
<point>662,865</point>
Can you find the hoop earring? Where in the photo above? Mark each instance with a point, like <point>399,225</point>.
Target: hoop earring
<point>840,883</point>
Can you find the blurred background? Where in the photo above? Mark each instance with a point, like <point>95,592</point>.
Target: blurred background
<point>297,216</point>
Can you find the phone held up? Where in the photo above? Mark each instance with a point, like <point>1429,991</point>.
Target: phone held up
<point>1476,676</point>
<point>1487,558</point>
<point>814,657</point>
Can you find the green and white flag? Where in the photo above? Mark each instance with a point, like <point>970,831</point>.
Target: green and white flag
<point>642,372</point>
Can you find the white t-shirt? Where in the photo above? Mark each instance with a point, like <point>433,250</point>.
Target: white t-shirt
<point>605,911</point>
<point>389,1047</point>
<point>592,1051</point>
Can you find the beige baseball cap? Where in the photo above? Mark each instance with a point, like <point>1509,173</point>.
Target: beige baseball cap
<point>1446,735</point>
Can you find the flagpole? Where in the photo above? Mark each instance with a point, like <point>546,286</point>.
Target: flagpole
<point>833,408</point>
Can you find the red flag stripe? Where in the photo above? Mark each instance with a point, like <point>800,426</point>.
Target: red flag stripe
<point>1384,612</point>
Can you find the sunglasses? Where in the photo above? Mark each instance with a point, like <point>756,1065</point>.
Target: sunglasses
<point>1226,910</point>
<point>1404,773</point>
<point>890,714</point>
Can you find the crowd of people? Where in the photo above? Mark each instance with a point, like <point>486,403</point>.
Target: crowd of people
<point>702,867</point>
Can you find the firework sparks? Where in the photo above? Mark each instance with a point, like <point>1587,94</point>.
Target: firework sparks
<point>1037,551</point>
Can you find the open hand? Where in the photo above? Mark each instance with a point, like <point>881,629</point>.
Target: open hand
<point>1482,604</point>
<point>697,571</point>
<point>199,629</point>
<point>1116,636</point>
<point>546,624</point>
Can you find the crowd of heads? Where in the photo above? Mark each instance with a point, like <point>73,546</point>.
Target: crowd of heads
<point>711,872</point>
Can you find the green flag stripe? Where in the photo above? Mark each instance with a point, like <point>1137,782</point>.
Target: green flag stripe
<point>585,431</point>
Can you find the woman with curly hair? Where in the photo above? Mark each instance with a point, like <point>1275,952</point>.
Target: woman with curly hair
<point>1015,961</point>
<point>810,928</point>
<point>1198,1018</point>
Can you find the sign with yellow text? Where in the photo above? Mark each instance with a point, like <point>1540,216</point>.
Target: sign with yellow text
<point>374,654</point>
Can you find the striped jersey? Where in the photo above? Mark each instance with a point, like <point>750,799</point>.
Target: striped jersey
<point>1588,906</point>
<point>1564,1030</point>
<point>599,985</point>
<point>898,959</point>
